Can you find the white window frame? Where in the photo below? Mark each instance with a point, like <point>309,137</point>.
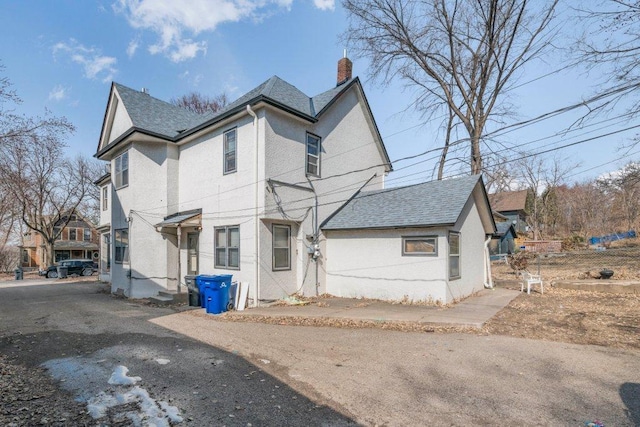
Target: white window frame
<point>225,247</point>
<point>122,256</point>
<point>275,248</point>
<point>105,198</point>
<point>228,153</point>
<point>452,255</point>
<point>433,240</point>
<point>121,175</point>
<point>313,160</point>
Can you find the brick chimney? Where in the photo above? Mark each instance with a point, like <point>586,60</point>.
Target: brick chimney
<point>344,69</point>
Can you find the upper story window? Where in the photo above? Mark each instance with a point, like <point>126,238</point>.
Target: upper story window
<point>87,234</point>
<point>313,155</point>
<point>122,170</point>
<point>72,234</point>
<point>230,151</point>
<point>105,198</point>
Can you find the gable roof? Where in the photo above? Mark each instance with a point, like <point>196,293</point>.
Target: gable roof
<point>503,228</point>
<point>507,201</point>
<point>435,203</point>
<point>155,115</point>
<point>172,123</point>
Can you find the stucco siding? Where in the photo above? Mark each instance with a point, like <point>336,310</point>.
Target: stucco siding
<point>472,238</point>
<point>121,121</point>
<point>369,264</point>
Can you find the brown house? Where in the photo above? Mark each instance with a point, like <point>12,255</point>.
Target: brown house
<point>78,240</point>
<point>512,205</point>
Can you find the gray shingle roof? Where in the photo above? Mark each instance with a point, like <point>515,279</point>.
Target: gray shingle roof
<point>166,119</point>
<point>154,115</point>
<point>427,204</point>
<point>502,228</point>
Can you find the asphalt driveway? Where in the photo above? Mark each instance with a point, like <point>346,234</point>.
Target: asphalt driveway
<point>226,373</point>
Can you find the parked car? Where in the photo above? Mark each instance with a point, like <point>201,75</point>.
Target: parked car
<point>78,267</point>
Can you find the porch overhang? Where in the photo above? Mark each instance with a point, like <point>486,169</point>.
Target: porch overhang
<point>192,218</point>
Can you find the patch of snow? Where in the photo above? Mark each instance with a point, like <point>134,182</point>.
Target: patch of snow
<point>265,361</point>
<point>163,361</point>
<point>173,413</point>
<point>119,377</point>
<point>98,405</point>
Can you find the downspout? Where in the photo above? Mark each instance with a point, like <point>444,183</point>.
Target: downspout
<point>256,288</point>
<point>179,230</point>
<point>488,281</point>
<point>129,222</point>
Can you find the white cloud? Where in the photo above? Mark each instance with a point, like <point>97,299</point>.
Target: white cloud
<point>176,23</point>
<point>94,64</point>
<point>58,93</point>
<point>131,49</point>
<point>325,4</point>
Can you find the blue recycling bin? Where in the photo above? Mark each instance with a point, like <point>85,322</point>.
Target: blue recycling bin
<point>215,290</point>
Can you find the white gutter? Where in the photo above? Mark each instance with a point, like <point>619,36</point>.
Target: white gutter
<point>488,281</point>
<point>256,219</point>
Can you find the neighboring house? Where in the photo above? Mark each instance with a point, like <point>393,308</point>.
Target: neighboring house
<point>425,242</point>
<point>239,192</point>
<point>503,240</point>
<point>78,240</point>
<point>512,204</point>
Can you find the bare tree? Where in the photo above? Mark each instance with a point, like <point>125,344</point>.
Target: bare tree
<point>624,187</point>
<point>543,176</point>
<point>460,55</point>
<point>14,125</point>
<point>47,186</point>
<point>199,103</point>
<point>612,41</point>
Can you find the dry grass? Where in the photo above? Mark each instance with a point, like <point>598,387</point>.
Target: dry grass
<point>579,317</point>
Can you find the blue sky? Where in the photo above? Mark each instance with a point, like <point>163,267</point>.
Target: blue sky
<point>63,55</point>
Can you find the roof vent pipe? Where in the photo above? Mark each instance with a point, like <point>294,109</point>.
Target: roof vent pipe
<point>145,90</point>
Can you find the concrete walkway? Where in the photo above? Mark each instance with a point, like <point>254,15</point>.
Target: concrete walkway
<point>473,312</point>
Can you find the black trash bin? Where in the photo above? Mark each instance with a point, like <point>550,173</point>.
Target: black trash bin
<point>19,274</point>
<point>194,292</point>
<point>63,271</point>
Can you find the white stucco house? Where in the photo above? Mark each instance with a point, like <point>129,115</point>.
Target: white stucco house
<point>425,242</point>
<point>239,192</point>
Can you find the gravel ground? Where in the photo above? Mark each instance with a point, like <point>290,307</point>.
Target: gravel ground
<point>30,398</point>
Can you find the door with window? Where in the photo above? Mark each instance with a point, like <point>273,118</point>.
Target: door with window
<point>192,253</point>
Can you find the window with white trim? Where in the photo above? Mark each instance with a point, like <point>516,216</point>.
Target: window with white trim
<point>105,198</point>
<point>227,247</point>
<point>313,155</point>
<point>122,170</point>
<point>454,255</point>
<point>420,246</point>
<point>230,151</point>
<point>72,234</point>
<point>121,245</point>
<point>281,247</point>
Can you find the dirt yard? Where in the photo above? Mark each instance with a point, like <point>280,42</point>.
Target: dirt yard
<point>579,317</point>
